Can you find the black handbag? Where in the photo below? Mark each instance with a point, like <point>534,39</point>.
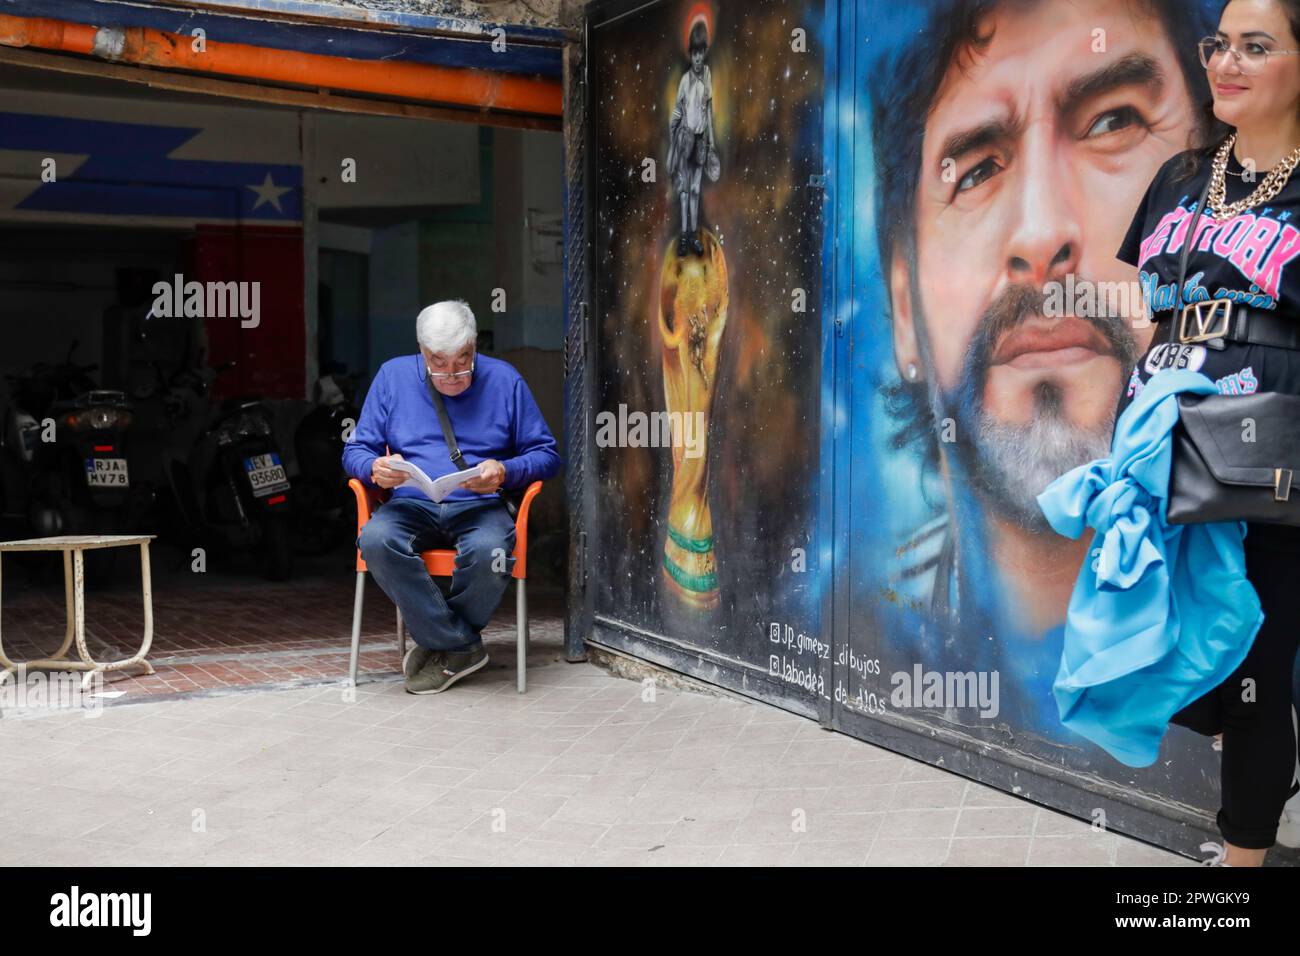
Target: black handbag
<point>1234,456</point>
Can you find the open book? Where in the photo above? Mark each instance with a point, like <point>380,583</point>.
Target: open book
<point>436,488</point>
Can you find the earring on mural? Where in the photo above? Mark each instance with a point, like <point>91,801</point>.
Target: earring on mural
<point>912,371</point>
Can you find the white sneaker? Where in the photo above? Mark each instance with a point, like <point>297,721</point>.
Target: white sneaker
<point>1218,854</point>
<point>1288,826</point>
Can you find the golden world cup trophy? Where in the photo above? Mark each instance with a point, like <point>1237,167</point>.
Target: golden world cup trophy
<point>693,302</point>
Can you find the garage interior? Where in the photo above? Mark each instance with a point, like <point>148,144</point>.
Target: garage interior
<point>349,223</point>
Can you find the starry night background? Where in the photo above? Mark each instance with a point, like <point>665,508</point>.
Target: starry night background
<point>763,437</point>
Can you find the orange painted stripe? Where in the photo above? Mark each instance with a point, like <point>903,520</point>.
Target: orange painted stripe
<point>416,81</point>
<point>47,34</point>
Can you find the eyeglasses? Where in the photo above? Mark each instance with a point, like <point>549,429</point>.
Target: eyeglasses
<point>440,376</point>
<point>1250,61</point>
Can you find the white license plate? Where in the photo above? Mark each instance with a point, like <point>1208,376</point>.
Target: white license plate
<point>107,473</point>
<point>266,474</point>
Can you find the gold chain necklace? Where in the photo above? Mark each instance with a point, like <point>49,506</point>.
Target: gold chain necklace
<point>1273,184</point>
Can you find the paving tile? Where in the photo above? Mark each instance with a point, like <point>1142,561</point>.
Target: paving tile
<point>910,824</point>
<point>748,855</point>
<point>928,795</point>
<point>839,853</point>
<point>1051,823</point>
<point>570,831</point>
<point>667,855</point>
<point>996,822</point>
<point>801,797</point>
<point>918,852</point>
<point>1092,850</point>
<point>602,808</point>
<point>988,851</point>
<point>517,823</point>
<point>978,795</point>
<point>1133,853</point>
<point>860,798</point>
<point>637,835</point>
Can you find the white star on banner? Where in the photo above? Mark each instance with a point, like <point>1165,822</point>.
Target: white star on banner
<point>268,192</point>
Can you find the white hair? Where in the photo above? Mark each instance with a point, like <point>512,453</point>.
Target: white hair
<point>445,328</point>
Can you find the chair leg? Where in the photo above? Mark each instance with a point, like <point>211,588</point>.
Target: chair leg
<point>401,634</point>
<point>521,624</point>
<point>356,625</point>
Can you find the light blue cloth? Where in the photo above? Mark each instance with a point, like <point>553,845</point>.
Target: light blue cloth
<point>1161,614</point>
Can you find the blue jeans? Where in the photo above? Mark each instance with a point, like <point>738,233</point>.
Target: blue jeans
<point>483,534</point>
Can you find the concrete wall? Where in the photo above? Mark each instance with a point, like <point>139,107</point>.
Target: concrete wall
<point>529,168</point>
<point>394,291</point>
<point>399,162</point>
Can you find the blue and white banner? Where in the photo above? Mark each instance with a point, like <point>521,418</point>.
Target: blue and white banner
<point>84,159</point>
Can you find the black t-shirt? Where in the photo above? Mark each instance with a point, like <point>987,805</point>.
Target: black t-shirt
<point>1251,259</point>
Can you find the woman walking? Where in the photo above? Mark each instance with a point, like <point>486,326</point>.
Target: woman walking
<point>1244,256</point>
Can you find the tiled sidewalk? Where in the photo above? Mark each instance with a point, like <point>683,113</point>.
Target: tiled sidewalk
<point>580,770</point>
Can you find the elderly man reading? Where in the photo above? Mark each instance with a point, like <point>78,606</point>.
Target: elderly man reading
<point>498,427</point>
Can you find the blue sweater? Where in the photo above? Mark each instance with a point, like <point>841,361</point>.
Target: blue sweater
<point>496,417</point>
<point>1161,614</point>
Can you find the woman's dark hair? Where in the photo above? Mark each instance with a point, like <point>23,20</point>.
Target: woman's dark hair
<point>700,38</point>
<point>1212,130</point>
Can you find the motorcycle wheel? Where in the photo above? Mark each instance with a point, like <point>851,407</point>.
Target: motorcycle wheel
<point>276,552</point>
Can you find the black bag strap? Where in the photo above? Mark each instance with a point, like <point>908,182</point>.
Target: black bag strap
<point>1182,265</point>
<point>444,420</point>
<point>453,449</point>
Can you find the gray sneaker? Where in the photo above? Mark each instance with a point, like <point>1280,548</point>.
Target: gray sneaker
<point>415,660</point>
<point>444,669</point>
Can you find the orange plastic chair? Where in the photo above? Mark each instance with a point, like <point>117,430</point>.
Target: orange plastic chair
<point>441,562</point>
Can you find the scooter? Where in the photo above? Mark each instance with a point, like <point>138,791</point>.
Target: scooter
<point>79,477</point>
<point>83,482</point>
<point>232,487</point>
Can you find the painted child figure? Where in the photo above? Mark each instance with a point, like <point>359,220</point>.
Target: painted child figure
<point>691,150</point>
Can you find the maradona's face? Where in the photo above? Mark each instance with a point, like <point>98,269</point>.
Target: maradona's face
<point>1036,155</point>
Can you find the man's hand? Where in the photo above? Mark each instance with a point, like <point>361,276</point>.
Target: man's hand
<point>491,474</point>
<point>384,476</point>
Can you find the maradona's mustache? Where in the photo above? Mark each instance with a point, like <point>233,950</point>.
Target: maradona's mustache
<point>1016,305</point>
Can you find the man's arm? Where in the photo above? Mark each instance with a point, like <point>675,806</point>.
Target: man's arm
<point>679,107</point>
<point>536,457</point>
<point>708,103</point>
<point>368,438</point>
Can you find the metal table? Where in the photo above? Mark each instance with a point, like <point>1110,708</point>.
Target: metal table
<point>74,584</point>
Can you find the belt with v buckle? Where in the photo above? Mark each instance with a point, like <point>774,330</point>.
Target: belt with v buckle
<point>1213,320</point>
<point>1216,322</point>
